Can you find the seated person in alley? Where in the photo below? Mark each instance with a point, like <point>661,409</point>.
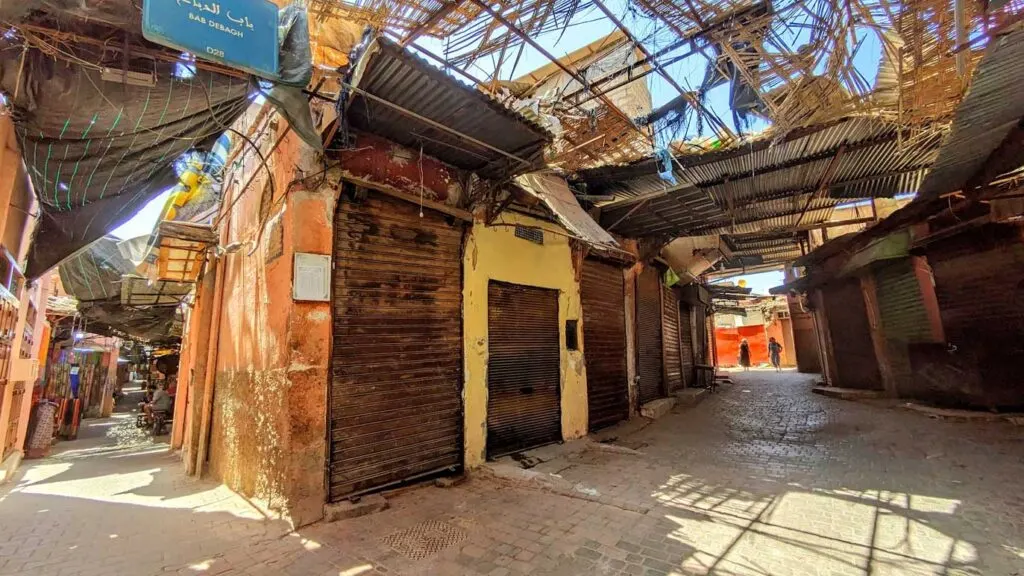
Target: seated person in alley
<point>161,402</point>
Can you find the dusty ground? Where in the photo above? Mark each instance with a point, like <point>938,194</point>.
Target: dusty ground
<point>762,478</point>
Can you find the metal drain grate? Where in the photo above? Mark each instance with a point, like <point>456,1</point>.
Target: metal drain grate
<point>424,539</point>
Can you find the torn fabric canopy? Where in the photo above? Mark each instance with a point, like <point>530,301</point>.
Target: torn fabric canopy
<point>556,195</point>
<point>99,143</point>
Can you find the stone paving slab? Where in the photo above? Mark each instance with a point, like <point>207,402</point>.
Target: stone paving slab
<point>763,478</point>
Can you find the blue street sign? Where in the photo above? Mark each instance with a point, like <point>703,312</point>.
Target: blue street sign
<point>239,33</point>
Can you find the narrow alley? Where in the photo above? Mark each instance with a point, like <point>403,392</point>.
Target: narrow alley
<point>762,478</point>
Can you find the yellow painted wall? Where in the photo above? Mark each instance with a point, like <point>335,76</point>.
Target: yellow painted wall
<point>494,253</point>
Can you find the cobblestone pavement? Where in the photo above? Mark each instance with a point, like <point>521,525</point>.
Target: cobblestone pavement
<point>763,478</point>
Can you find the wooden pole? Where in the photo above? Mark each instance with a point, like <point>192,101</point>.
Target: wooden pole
<point>721,128</point>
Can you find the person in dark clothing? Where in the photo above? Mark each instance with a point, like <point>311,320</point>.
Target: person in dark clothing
<point>745,354</point>
<point>775,352</point>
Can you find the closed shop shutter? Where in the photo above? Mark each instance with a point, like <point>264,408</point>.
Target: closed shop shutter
<point>670,340</point>
<point>904,318</point>
<point>805,339</point>
<point>523,377</point>
<point>648,320</point>
<point>979,283</point>
<point>604,343</point>
<point>687,346</point>
<point>698,318</point>
<point>395,406</point>
<point>855,359</point>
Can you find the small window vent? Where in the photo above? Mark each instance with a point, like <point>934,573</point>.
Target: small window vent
<point>535,235</point>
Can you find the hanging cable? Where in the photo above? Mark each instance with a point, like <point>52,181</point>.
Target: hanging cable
<point>421,180</point>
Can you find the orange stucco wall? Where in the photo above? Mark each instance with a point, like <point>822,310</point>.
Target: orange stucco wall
<point>727,343</point>
<point>269,415</point>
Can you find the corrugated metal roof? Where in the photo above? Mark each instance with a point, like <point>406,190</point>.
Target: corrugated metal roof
<point>403,79</point>
<point>991,108</point>
<point>764,184</point>
<point>554,192</point>
<point>763,249</point>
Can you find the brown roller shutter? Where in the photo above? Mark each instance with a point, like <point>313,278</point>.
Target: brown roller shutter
<point>805,338</point>
<point>604,343</point>
<point>523,392</point>
<point>648,320</point>
<point>671,340</point>
<point>979,284</point>
<point>856,363</point>
<point>687,346</point>
<point>395,406</point>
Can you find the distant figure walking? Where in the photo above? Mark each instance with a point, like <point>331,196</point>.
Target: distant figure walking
<point>745,354</point>
<point>775,351</point>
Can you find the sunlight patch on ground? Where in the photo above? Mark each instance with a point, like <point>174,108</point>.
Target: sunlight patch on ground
<point>844,531</point>
<point>124,488</point>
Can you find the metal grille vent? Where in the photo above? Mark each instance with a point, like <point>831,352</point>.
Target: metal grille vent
<point>424,539</point>
<point>535,235</point>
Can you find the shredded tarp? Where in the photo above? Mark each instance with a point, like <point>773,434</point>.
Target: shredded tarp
<point>101,276</point>
<point>95,273</point>
<point>556,195</point>
<point>296,70</point>
<point>149,323</point>
<point>98,150</point>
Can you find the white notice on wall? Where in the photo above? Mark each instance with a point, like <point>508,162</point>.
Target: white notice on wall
<point>312,277</point>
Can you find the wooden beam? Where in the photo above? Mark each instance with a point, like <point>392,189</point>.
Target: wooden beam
<point>723,131</point>
<point>823,182</point>
<point>557,62</point>
<point>628,214</point>
<point>428,25</point>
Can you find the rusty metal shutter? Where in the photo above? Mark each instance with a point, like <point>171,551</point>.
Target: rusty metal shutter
<point>523,377</point>
<point>671,340</point>
<point>687,346</point>
<point>648,320</point>
<point>856,364</point>
<point>604,343</point>
<point>396,408</point>
<point>904,318</point>
<point>805,339</point>
<point>979,283</point>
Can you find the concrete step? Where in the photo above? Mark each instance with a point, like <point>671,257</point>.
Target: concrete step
<point>691,396</point>
<point>847,393</point>
<point>657,408</point>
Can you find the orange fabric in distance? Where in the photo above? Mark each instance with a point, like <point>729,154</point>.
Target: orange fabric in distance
<point>727,340</point>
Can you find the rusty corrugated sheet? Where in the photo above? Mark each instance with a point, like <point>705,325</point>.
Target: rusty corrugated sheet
<point>397,76</point>
<point>523,392</point>
<point>604,343</point>
<point>395,392</point>
<point>991,108</point>
<point>671,354</point>
<point>764,183</point>
<point>648,327</point>
<point>554,192</point>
